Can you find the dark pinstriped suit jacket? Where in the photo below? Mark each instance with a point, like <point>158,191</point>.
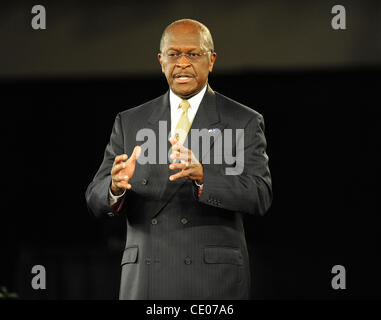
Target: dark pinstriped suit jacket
<point>180,246</point>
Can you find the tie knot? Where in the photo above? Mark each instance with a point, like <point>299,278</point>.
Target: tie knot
<point>184,105</point>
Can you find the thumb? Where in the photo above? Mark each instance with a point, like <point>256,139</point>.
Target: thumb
<point>172,140</point>
<point>136,153</point>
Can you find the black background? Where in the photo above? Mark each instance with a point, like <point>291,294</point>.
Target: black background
<point>322,128</point>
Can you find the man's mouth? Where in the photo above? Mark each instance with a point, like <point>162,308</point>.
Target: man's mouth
<point>183,77</point>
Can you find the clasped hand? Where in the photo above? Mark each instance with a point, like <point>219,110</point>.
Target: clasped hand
<point>123,167</point>
<point>190,167</point>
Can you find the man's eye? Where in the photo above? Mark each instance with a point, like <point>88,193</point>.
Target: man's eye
<point>193,54</point>
<point>171,54</point>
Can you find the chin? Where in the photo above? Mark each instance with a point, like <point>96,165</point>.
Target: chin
<point>184,91</point>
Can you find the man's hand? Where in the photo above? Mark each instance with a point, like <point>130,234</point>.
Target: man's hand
<point>122,171</point>
<point>190,167</point>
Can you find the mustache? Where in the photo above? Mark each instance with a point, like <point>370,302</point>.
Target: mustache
<point>186,74</point>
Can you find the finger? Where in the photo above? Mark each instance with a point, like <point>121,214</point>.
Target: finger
<point>136,154</point>
<point>115,169</point>
<point>181,174</point>
<point>138,151</point>
<point>179,147</point>
<point>173,140</point>
<point>174,157</point>
<point>120,178</point>
<point>121,185</point>
<point>179,166</point>
<point>119,167</point>
<point>121,157</point>
<point>174,154</point>
<point>180,156</point>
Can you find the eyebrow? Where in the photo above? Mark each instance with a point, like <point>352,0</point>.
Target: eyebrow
<point>187,49</point>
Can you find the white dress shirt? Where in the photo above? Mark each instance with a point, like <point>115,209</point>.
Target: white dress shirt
<point>176,112</point>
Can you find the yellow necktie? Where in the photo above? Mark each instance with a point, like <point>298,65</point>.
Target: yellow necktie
<point>183,126</point>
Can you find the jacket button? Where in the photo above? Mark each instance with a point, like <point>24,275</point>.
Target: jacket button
<point>184,220</point>
<point>145,181</point>
<point>188,260</point>
<point>148,260</point>
<point>154,221</point>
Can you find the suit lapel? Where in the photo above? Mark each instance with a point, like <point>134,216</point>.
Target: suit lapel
<point>161,112</point>
<point>207,117</point>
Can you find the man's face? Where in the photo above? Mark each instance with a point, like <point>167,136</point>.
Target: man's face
<point>186,78</point>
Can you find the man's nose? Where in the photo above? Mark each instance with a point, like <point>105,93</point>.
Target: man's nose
<point>183,62</point>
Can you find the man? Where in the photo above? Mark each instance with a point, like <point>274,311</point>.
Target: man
<point>185,235</point>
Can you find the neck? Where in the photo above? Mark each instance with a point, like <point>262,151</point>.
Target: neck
<point>190,95</point>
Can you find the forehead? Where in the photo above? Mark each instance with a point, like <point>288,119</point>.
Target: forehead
<point>183,37</point>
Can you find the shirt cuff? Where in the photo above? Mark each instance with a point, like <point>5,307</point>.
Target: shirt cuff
<point>114,199</point>
<point>199,185</point>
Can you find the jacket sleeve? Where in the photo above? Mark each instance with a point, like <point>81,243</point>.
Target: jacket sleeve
<point>97,193</point>
<point>248,191</point>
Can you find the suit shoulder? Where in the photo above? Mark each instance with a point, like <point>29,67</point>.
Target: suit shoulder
<point>228,106</point>
<point>143,109</point>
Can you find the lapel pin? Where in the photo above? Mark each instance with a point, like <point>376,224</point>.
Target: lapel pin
<point>213,130</point>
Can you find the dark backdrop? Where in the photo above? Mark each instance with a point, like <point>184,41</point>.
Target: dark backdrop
<point>323,143</point>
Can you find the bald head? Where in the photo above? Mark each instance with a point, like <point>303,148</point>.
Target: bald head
<point>189,25</point>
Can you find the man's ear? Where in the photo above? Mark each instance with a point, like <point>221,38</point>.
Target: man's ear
<point>160,58</point>
<point>213,57</point>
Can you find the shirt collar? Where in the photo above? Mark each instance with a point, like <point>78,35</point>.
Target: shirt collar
<point>194,102</point>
